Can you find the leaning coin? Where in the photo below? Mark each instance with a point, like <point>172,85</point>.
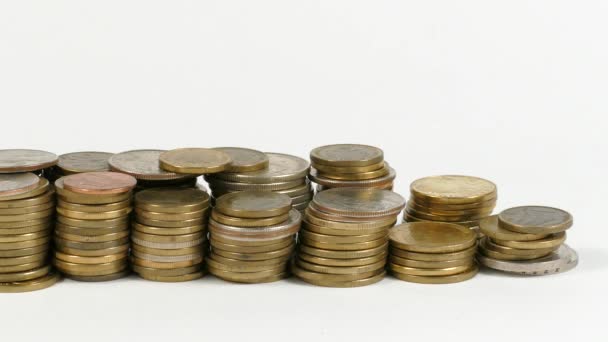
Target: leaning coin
<point>30,285</point>
<point>384,182</point>
<point>45,197</point>
<point>244,159</point>
<point>384,171</point>
<point>490,227</point>
<point>525,253</point>
<point>249,222</point>
<point>348,169</point>
<point>195,161</point>
<point>281,168</point>
<point>432,237</point>
<point>142,164</point>
<point>535,220</point>
<point>454,189</point>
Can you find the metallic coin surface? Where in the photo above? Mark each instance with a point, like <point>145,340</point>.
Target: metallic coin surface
<point>170,224</point>
<point>344,246</point>
<point>550,241</point>
<point>562,260</point>
<point>17,183</point>
<point>173,272</point>
<point>25,275</point>
<point>77,162</point>
<point>248,241</point>
<point>450,279</point>
<point>250,249</point>
<point>27,210</point>
<point>248,222</point>
<point>255,256</point>
<point>199,248</point>
<point>453,189</point>
<point>99,183</point>
<point>248,263</point>
<point>420,203</point>
<point>429,272</point>
<point>30,285</point>
<point>143,164</point>
<point>343,262</point>
<point>42,188</point>
<point>245,159</point>
<point>431,237</point>
<point>167,231</point>
<point>112,223</point>
<point>358,176</point>
<point>100,278</point>
<point>443,218</point>
<point>94,208</point>
<point>253,204</point>
<point>21,160</point>
<point>490,227</point>
<point>434,257</point>
<point>328,280</point>
<point>341,239</point>
<point>371,224</point>
<point>27,217</point>
<point>325,169</point>
<point>346,155</point>
<point>172,200</point>
<point>195,161</point>
<point>93,252</point>
<point>175,217</point>
<point>45,197</point>
<point>340,269</point>
<point>172,279</point>
<point>381,182</point>
<point>10,253</point>
<point>356,202</point>
<point>281,168</point>
<point>79,198</point>
<point>225,186</point>
<point>81,215</point>
<point>290,227</point>
<point>535,220</point>
<point>524,253</point>
<point>468,262</point>
<point>489,249</point>
<point>325,253</point>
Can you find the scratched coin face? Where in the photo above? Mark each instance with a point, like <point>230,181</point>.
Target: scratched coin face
<point>535,219</point>
<point>281,168</point>
<point>195,161</point>
<point>346,155</point>
<point>78,162</point>
<point>142,164</point>
<point>453,189</point>
<point>245,159</point>
<point>21,160</point>
<point>359,202</point>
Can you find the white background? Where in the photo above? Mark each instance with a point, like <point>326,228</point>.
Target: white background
<point>513,91</point>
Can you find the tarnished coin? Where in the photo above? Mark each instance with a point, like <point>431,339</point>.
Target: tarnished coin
<point>248,277</point>
<point>343,262</point>
<point>341,239</point>
<point>21,160</point>
<point>226,186</point>
<point>245,267</point>
<point>78,162</point>
<point>562,260</point>
<point>255,256</point>
<point>417,203</point>
<point>172,200</point>
<point>346,155</point>
<point>90,260</point>
<point>492,250</point>
<point>167,231</point>
<point>250,249</point>
<point>245,159</point>
<point>173,272</point>
<point>30,285</point>
<point>338,280</point>
<point>81,215</point>
<point>143,164</point>
<point>325,253</point>
<point>196,161</point>
<point>281,168</point>
<point>174,217</point>
<point>27,210</point>
<point>124,248</point>
<point>253,204</point>
<point>453,189</point>
<point>356,246</point>
<point>17,183</point>
<point>27,217</point>
<point>379,265</point>
<point>11,253</point>
<point>432,237</point>
<point>171,224</point>
<point>449,279</point>
<point>197,249</point>
<point>535,220</point>
<point>357,202</point>
<point>99,183</point>
<point>111,223</point>
<point>490,227</point>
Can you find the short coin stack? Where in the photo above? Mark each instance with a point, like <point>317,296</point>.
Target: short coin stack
<point>169,234</point>
<point>27,205</point>
<point>463,200</point>
<point>432,252</point>
<point>252,236</point>
<point>285,174</point>
<point>527,240</point>
<point>92,230</point>
<point>344,239</point>
<point>79,162</point>
<point>350,165</point>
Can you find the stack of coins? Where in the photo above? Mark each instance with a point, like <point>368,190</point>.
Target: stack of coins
<point>350,165</point>
<point>144,165</point>
<point>344,238</point>
<point>27,205</point>
<point>252,236</point>
<point>285,174</point>
<point>463,200</point>
<point>527,240</point>
<point>169,234</point>
<point>432,252</point>
<point>79,162</point>
<point>21,160</point>
<point>92,230</point>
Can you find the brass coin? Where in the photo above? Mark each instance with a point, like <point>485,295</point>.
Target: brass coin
<point>428,272</point>
<point>81,215</point>
<point>431,210</point>
<point>281,168</point>
<point>434,257</point>
<point>248,222</point>
<point>169,252</point>
<point>23,267</point>
<point>22,160</point>
<point>17,183</point>
<point>78,198</point>
<point>328,281</point>
<point>94,208</point>
<point>42,188</point>
<point>453,189</point>
<point>324,253</point>
<point>24,259</point>
<point>25,275</point>
<point>167,231</point>
<point>422,203</point>
<point>45,197</point>
<point>165,265</point>
<point>468,262</point>
<point>313,210</point>
<point>246,277</point>
<point>325,169</point>
<point>250,249</point>
<point>30,285</point>
<point>469,224</point>
<point>490,227</point>
<point>167,258</point>
<point>305,274</point>
<point>490,244</point>
<point>350,228</point>
<point>337,239</point>
<point>301,206</point>
<point>11,253</point>
<point>78,162</point>
<point>47,226</point>
<point>439,218</point>
<point>172,200</point>
<point>344,246</point>
<point>168,238</point>
<point>171,224</point>
<point>150,215</point>
<point>344,232</point>
<point>99,183</point>
<point>256,256</point>
<point>93,252</point>
<point>173,272</point>
<point>357,176</point>
<point>244,159</point>
<point>343,262</point>
<point>91,269</point>
<point>120,222</point>
<point>23,237</point>
<point>253,204</point>
<point>196,161</point>
<point>92,238</point>
<point>340,269</point>
<point>244,268</point>
<point>27,217</point>
<point>431,237</point>
<point>552,241</point>
<point>173,279</point>
<point>167,245</point>
<point>60,244</point>
<point>99,278</point>
<point>535,220</point>
<point>449,279</point>
<point>292,226</point>
<point>227,187</point>
<point>385,182</point>
<point>261,263</point>
<point>103,259</point>
<point>25,244</point>
<point>298,190</point>
<point>301,199</point>
<point>488,250</point>
<point>357,202</point>
<point>346,155</point>
<point>142,164</point>
<point>248,242</point>
<point>27,210</point>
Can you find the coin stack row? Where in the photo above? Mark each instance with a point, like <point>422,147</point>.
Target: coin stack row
<point>463,200</point>
<point>79,162</point>
<point>252,236</point>
<point>343,242</point>
<point>280,173</point>
<point>432,252</point>
<point>169,234</point>
<point>350,165</point>
<point>527,240</point>
<point>92,230</point>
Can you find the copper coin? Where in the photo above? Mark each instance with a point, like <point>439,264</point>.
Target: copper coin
<point>21,160</point>
<point>17,183</point>
<point>78,162</point>
<point>99,183</point>
<point>142,164</point>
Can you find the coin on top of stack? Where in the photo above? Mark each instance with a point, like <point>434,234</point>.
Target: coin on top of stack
<point>527,240</point>
<point>24,160</point>
<point>144,165</point>
<point>258,171</point>
<point>462,200</point>
<point>79,162</point>
<point>92,229</point>
<point>350,165</point>
<point>432,252</point>
<point>27,206</point>
<point>344,238</point>
<point>252,236</point>
<point>169,234</point>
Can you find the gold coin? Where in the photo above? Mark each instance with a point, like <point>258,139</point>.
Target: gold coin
<point>487,249</point>
<point>357,176</point>
<point>305,274</point>
<point>23,237</point>
<point>422,203</point>
<point>452,189</point>
<point>428,272</point>
<point>450,279</point>
<point>94,208</point>
<point>170,224</point>
<point>325,169</point>
<point>304,189</point>
<point>65,229</point>
<point>346,155</point>
<point>30,285</point>
<point>171,217</point>
<point>78,198</point>
<point>248,242</point>
<point>435,257</point>
<point>325,253</point>
<point>99,183</point>
<point>338,239</point>
<point>343,284</point>
<point>44,198</point>
<point>385,182</point>
<point>196,161</point>
<point>28,217</point>
<point>172,200</point>
<point>432,210</point>
<point>111,223</point>
<point>27,210</point>
<point>490,227</point>
<point>535,220</point>
<point>173,279</point>
<point>223,186</point>
<point>168,245</point>
<point>358,202</point>
<point>25,275</point>
<point>552,241</point>
<point>166,265</point>
<point>11,253</point>
<point>99,278</point>
<point>168,238</point>
<point>256,256</point>
<point>490,244</point>
<point>24,259</point>
<point>430,217</point>
<point>260,263</point>
<point>80,215</point>
<point>345,233</point>
<point>249,277</point>
<point>93,252</point>
<point>143,165</point>
<point>340,269</point>
<point>245,268</point>
<point>468,262</point>
<point>250,249</point>
<point>168,252</point>
<point>25,244</point>
<point>92,238</point>
<point>431,237</point>
<point>89,270</point>
<point>281,168</point>
<point>470,224</point>
<point>167,231</point>
<point>343,262</point>
<point>313,210</point>
<point>344,246</point>
<point>23,267</point>
<point>61,243</point>
<point>248,222</point>
<point>244,159</point>
<point>174,272</point>
<point>253,204</point>
<point>90,260</point>
<point>24,160</point>
<point>78,162</point>
<point>352,226</point>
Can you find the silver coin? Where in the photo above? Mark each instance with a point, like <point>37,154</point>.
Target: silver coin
<point>281,168</point>
<point>334,183</point>
<point>562,260</point>
<point>21,160</point>
<point>359,202</point>
<point>291,226</point>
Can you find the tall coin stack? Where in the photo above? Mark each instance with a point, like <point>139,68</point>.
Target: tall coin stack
<point>432,252</point>
<point>92,230</point>
<point>350,165</point>
<point>285,174</point>
<point>527,240</point>
<point>79,162</point>
<point>27,205</point>
<point>252,236</point>
<point>343,242</point>
<point>169,234</point>
<point>463,200</point>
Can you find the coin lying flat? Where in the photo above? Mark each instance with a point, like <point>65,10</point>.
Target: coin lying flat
<point>562,260</point>
<point>434,257</point>
<point>453,189</point>
<point>195,161</point>
<point>281,168</point>
<point>490,227</point>
<point>334,183</point>
<point>358,176</point>
<point>78,162</point>
<point>30,285</point>
<point>21,160</point>
<point>253,204</point>
<point>346,155</point>
<point>432,237</point>
<point>535,220</point>
<point>172,200</point>
<point>99,183</point>
<point>17,183</point>
<point>550,241</point>
<point>142,164</point>
<point>245,159</point>
<point>359,202</point>
<point>450,279</point>
<point>248,222</point>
